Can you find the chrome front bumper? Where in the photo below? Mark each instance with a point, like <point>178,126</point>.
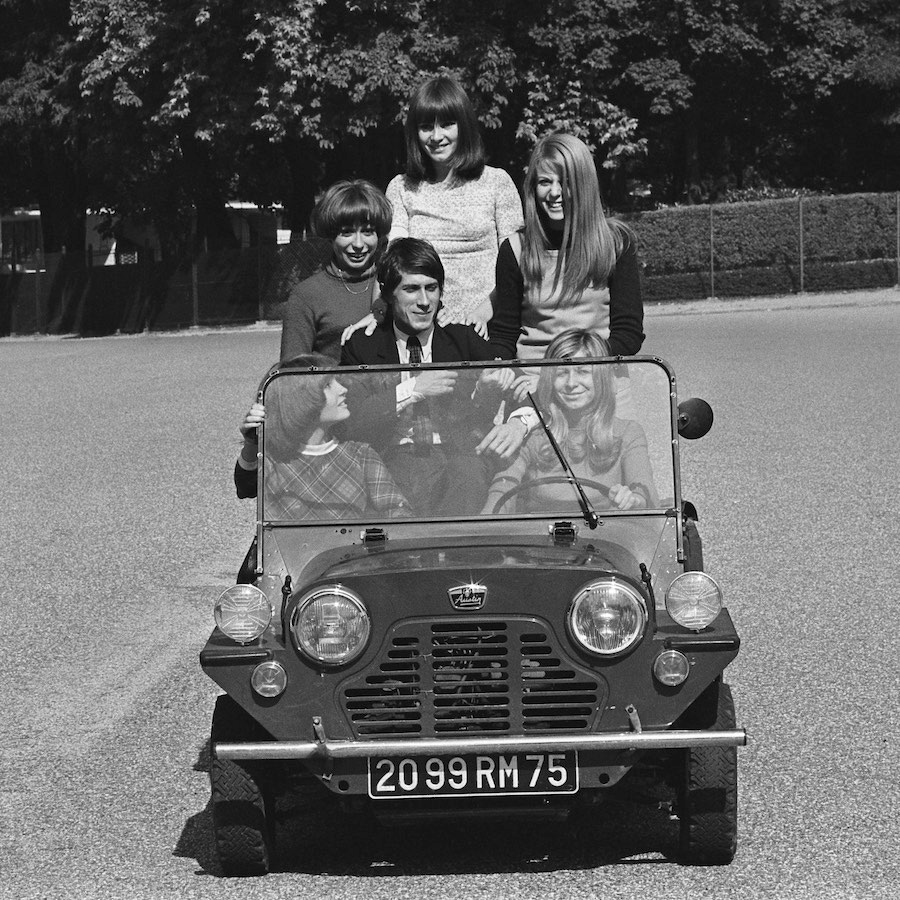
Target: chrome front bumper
<point>325,749</point>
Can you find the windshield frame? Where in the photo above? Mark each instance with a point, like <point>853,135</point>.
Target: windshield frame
<point>357,526</point>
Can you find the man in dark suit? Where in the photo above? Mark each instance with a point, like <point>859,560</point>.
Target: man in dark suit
<point>437,431</point>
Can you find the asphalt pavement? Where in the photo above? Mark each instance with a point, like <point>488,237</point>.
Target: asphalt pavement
<point>120,527</point>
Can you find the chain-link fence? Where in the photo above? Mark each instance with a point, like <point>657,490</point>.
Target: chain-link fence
<point>63,293</point>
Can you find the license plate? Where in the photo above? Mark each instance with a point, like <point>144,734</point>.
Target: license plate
<point>473,775</point>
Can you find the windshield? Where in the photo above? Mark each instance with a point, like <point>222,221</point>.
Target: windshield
<point>473,442</point>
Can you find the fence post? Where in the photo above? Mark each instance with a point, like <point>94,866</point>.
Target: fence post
<point>800,203</point>
<point>37,293</point>
<point>195,292</point>
<point>260,312</point>
<point>712,250</point>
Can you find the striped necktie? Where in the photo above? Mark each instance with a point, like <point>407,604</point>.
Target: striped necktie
<point>423,433</point>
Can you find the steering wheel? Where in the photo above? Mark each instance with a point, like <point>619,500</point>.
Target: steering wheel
<point>547,479</point>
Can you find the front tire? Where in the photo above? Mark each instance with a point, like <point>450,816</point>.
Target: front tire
<point>242,821</point>
<point>707,801</point>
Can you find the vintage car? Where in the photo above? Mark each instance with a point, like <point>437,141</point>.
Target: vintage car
<point>529,636</point>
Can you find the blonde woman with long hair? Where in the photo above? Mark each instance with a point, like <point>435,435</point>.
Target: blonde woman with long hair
<point>579,406</point>
<point>571,266</point>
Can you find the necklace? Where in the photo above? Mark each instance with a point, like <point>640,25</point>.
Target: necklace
<point>346,284</point>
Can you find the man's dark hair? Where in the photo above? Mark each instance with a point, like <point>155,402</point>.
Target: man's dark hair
<point>408,256</point>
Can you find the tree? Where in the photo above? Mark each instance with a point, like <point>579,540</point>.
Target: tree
<point>172,80</point>
<point>569,64</point>
<point>166,110</point>
<point>851,142</point>
<point>315,89</point>
<point>43,133</point>
<point>713,82</point>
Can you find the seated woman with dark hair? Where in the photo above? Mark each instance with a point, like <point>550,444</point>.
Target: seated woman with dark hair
<point>578,404</point>
<point>310,474</point>
<point>356,217</point>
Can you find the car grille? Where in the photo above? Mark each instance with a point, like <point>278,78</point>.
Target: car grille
<point>474,676</point>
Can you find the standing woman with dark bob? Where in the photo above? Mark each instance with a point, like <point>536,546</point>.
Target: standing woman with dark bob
<point>571,267</point>
<point>449,197</point>
<point>356,217</point>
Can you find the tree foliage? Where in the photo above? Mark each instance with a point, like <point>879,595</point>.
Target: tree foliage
<point>44,138</point>
<point>167,109</point>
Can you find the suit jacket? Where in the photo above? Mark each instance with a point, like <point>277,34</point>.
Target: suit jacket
<point>373,406</point>
<point>451,343</point>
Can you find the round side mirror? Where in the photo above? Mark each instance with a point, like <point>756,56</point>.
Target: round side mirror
<point>695,418</point>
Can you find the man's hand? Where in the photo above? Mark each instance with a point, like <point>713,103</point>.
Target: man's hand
<point>434,384</point>
<point>504,440</point>
<point>523,384</point>
<point>500,378</point>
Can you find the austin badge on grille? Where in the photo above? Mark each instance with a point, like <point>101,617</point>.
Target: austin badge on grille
<point>467,596</point>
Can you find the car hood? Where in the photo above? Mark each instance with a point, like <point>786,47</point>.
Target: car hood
<point>513,552</point>
<point>618,545</point>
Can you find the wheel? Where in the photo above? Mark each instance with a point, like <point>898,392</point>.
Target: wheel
<point>707,796</point>
<point>241,821</point>
<point>547,479</point>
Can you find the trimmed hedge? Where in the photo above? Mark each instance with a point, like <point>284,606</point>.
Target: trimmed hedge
<point>743,249</point>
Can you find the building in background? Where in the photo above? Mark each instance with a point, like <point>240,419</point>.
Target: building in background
<point>21,241</point>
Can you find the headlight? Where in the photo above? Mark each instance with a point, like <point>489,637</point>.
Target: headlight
<point>671,668</point>
<point>693,600</point>
<point>331,626</point>
<point>243,613</point>
<point>607,617</point>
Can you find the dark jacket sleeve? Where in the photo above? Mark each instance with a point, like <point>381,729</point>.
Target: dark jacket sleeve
<point>362,349</point>
<point>373,410</point>
<point>349,353</point>
<point>626,306</point>
<point>244,481</point>
<point>506,324</point>
<point>469,345</point>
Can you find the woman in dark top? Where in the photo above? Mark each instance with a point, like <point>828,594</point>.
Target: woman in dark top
<point>356,217</point>
<point>571,266</point>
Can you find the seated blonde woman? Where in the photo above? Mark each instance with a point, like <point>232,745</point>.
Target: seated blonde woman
<point>578,404</point>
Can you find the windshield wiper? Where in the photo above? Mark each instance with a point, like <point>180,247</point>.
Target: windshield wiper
<point>590,517</point>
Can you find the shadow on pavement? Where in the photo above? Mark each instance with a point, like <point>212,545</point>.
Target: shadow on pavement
<point>317,837</point>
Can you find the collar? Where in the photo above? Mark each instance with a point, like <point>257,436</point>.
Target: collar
<point>318,449</point>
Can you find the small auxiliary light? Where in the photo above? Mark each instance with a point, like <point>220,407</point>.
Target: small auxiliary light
<point>671,668</point>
